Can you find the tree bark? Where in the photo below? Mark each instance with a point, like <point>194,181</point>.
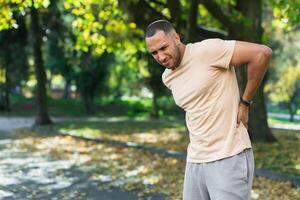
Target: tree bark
<point>291,111</point>
<point>67,89</point>
<point>155,111</point>
<point>155,84</point>
<point>7,92</point>
<point>248,29</point>
<point>192,21</point>
<point>42,117</point>
<point>175,8</point>
<point>258,124</point>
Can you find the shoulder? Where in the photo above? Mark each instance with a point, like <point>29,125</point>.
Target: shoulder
<point>216,42</point>
<point>207,44</point>
<point>164,77</point>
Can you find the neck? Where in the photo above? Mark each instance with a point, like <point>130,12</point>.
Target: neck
<point>181,54</point>
<point>181,50</point>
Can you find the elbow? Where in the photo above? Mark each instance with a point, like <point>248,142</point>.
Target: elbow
<point>266,52</point>
<point>264,55</point>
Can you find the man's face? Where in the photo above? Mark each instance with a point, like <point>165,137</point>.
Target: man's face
<point>164,48</point>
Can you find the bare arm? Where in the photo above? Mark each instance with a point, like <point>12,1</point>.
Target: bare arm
<point>257,58</point>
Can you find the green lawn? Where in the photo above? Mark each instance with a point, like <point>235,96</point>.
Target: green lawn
<point>278,120</point>
<point>106,106</point>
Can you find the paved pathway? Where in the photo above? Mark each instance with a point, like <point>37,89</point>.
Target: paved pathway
<point>26,175</point>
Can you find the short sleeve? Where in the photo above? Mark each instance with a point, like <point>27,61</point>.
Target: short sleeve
<point>165,80</point>
<point>217,52</point>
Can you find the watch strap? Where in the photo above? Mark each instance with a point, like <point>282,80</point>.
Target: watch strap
<point>245,102</point>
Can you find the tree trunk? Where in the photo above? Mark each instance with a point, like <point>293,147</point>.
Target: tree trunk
<point>292,110</point>
<point>89,105</point>
<point>67,89</point>
<point>252,11</point>
<point>7,93</point>
<point>1,90</point>
<point>155,111</point>
<point>192,22</point>
<point>175,8</point>
<point>248,29</point>
<point>155,83</point>
<point>42,117</point>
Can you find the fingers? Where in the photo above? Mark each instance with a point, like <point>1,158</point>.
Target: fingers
<point>238,121</point>
<point>246,125</point>
<point>243,120</point>
<point>242,116</point>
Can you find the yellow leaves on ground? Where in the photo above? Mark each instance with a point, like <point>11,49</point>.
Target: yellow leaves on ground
<point>282,156</point>
<point>124,167</point>
<point>264,189</point>
<point>133,169</point>
<point>168,139</point>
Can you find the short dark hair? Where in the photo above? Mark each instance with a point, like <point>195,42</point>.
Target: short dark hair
<point>159,25</point>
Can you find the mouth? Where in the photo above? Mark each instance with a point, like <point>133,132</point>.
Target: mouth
<point>167,64</point>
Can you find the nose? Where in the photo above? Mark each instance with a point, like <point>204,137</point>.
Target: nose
<point>161,57</point>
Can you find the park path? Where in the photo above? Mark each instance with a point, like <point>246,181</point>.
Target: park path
<point>26,175</point>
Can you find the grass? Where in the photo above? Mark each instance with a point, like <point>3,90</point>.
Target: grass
<point>109,107</point>
<point>275,108</point>
<point>106,106</point>
<point>278,120</point>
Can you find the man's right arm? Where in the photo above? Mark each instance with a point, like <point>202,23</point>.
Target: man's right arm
<point>257,58</point>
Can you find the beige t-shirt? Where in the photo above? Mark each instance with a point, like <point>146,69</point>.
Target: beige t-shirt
<point>205,86</point>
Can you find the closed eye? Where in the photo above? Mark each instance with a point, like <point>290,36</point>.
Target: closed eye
<point>160,49</point>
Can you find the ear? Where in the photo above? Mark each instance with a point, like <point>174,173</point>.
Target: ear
<point>177,38</point>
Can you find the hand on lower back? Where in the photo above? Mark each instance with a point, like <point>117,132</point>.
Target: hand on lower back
<point>243,115</point>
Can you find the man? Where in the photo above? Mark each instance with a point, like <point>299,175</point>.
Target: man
<point>201,77</point>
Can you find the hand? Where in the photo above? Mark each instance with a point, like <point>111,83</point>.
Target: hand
<point>243,115</point>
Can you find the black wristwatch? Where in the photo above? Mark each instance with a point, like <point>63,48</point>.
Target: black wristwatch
<point>245,102</point>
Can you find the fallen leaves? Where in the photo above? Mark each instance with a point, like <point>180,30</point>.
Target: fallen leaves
<point>283,156</point>
<point>133,169</point>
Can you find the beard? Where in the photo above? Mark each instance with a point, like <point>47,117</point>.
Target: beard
<point>176,56</point>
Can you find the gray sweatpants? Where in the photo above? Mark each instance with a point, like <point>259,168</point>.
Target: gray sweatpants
<point>226,179</point>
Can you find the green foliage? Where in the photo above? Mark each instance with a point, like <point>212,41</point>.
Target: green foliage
<point>286,13</point>
<point>98,25</point>
<point>8,7</point>
<point>286,86</point>
<point>13,45</point>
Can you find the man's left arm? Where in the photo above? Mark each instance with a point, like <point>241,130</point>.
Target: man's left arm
<point>257,58</point>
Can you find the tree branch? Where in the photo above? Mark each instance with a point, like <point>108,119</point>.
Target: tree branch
<point>216,12</point>
<point>192,21</point>
<point>159,3</point>
<point>205,33</point>
<point>174,7</point>
<point>141,12</point>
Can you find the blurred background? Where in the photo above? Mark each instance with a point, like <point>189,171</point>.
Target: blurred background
<point>77,70</point>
